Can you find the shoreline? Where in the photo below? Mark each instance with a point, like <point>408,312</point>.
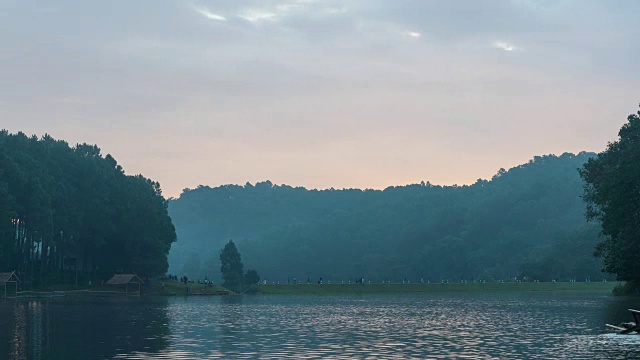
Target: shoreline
<point>331,289</point>
<point>171,288</point>
<point>175,289</point>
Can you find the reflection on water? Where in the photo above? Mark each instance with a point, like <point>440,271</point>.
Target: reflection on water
<point>81,329</point>
<point>515,325</point>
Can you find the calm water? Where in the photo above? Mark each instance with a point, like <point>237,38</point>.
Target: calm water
<point>507,325</point>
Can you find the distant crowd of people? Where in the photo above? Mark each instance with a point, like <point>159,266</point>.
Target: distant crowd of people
<point>361,280</point>
<point>185,280</point>
<point>175,278</point>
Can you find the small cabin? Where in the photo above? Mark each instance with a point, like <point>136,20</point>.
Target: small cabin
<point>127,281</point>
<point>9,280</point>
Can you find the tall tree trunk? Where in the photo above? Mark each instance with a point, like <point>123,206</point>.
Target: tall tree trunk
<point>43,260</point>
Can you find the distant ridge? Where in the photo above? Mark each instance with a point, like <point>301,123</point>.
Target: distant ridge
<point>518,223</point>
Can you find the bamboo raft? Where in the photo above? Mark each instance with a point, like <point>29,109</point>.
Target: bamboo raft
<point>628,327</point>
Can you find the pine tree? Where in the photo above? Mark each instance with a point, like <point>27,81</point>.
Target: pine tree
<point>232,267</point>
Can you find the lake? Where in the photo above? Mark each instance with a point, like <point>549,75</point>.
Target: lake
<point>510,325</point>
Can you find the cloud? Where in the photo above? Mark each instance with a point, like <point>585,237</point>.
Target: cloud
<point>209,15</point>
<point>503,45</point>
<point>254,16</point>
<point>278,76</point>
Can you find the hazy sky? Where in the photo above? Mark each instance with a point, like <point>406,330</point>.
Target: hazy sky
<point>361,93</point>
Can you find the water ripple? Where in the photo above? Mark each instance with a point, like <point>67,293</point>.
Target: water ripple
<point>435,326</point>
<point>489,327</point>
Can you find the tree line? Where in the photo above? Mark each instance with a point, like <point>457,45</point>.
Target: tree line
<point>612,195</point>
<point>525,222</point>
<point>70,214</point>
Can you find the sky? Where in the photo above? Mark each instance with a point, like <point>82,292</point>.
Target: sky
<point>343,94</point>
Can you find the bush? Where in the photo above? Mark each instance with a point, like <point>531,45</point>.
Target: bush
<point>627,289</point>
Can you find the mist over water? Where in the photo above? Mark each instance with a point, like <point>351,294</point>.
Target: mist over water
<point>507,325</point>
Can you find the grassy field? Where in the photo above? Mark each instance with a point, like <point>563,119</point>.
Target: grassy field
<point>178,289</point>
<point>316,289</point>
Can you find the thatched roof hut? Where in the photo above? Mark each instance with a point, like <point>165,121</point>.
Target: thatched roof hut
<point>126,280</point>
<point>7,278</point>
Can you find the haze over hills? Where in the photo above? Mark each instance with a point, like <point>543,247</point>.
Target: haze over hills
<point>527,221</point>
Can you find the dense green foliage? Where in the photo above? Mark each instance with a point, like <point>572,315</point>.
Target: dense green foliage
<point>231,266</point>
<point>528,221</point>
<point>612,184</point>
<point>69,213</point>
<point>251,277</point>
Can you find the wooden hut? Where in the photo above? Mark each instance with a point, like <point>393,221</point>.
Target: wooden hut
<point>126,280</point>
<point>9,278</point>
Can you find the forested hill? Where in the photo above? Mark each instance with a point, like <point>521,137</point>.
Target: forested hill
<point>527,221</point>
<point>70,214</point>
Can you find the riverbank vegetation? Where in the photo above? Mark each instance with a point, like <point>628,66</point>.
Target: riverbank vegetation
<point>68,214</point>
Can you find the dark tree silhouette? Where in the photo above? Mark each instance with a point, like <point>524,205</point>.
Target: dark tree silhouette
<point>232,267</point>
<point>251,277</point>
<point>612,195</point>
<point>69,214</point>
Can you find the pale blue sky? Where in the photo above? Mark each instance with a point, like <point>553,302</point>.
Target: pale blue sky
<point>361,93</point>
